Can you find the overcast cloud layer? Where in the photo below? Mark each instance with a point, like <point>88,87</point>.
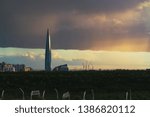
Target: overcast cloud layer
<point>122,25</point>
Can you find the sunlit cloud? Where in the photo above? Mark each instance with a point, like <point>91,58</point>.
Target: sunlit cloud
<point>56,55</point>
<point>143,5</point>
<point>30,55</point>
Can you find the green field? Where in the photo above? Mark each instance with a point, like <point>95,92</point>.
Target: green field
<point>107,85</point>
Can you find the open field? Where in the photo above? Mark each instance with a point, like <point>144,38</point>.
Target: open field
<point>106,85</point>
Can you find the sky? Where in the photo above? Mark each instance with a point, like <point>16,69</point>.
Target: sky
<point>76,59</point>
<point>105,34</point>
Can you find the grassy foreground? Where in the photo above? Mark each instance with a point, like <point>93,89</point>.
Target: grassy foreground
<point>105,84</point>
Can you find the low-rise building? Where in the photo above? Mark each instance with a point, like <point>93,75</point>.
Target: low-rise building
<point>28,69</point>
<point>8,68</point>
<point>61,68</point>
<point>19,67</point>
<point>5,67</point>
<point>1,67</point>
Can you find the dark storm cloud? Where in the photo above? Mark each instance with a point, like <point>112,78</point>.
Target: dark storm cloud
<point>23,23</point>
<point>52,6</point>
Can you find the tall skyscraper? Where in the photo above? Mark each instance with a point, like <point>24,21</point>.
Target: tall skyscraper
<point>48,52</point>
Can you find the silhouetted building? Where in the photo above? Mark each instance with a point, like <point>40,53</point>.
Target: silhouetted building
<point>48,52</point>
<point>19,68</point>
<point>2,66</point>
<point>61,68</point>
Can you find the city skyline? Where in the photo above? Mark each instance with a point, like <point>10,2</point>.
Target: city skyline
<point>35,58</point>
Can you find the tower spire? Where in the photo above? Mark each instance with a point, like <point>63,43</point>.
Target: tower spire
<point>48,52</point>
